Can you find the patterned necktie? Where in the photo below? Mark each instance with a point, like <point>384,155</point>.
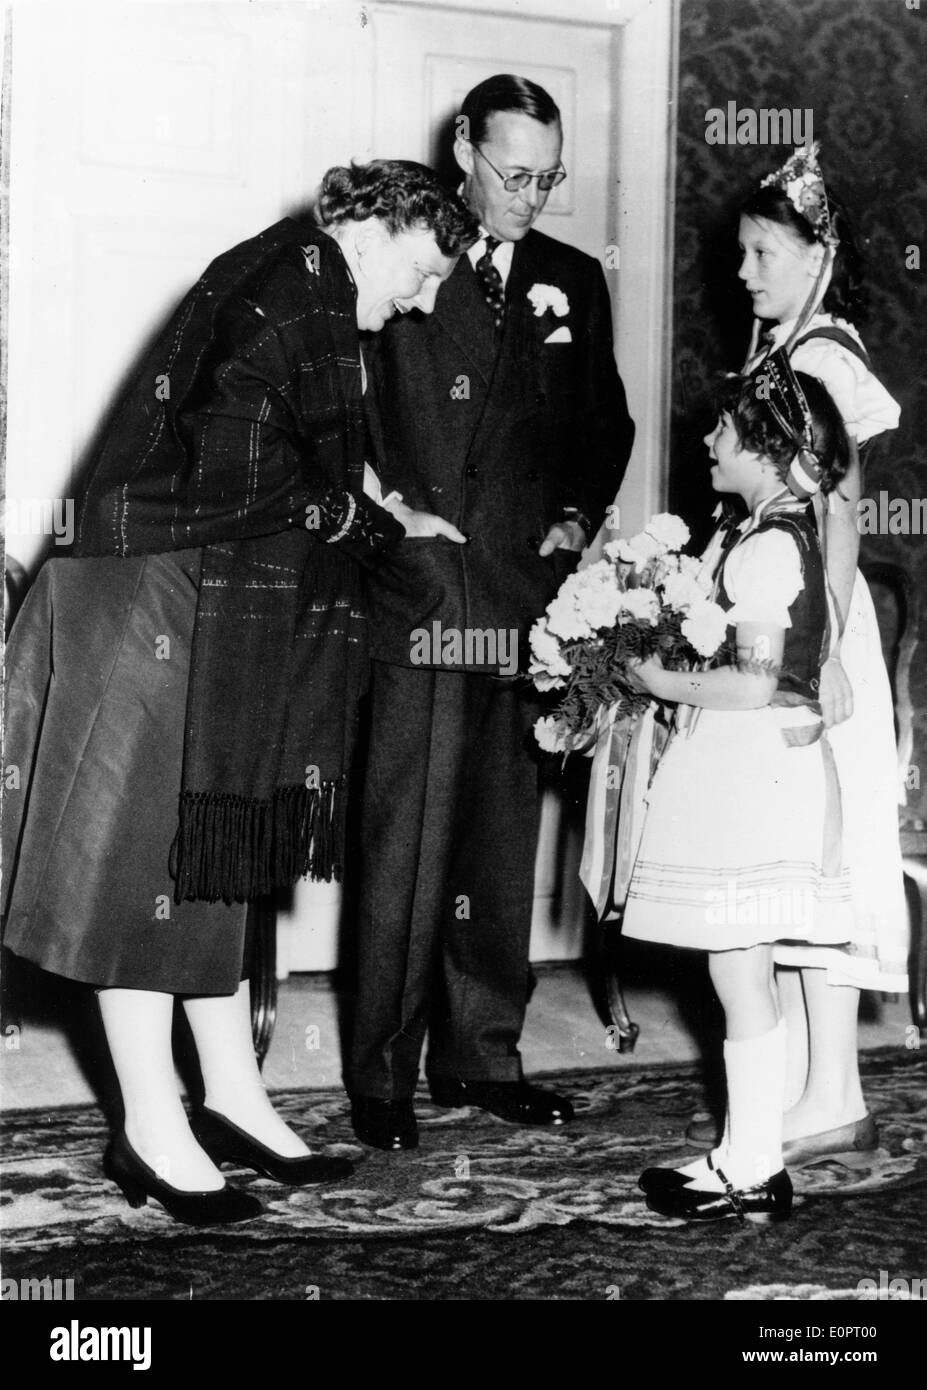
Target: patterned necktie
<point>491,281</point>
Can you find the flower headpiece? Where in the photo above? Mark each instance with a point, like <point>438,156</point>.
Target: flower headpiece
<point>791,412</point>
<point>802,182</point>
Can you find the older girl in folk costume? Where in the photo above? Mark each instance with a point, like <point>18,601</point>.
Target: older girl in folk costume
<point>741,841</point>
<point>801,268</point>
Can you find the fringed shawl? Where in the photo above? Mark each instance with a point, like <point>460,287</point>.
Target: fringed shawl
<point>242,431</point>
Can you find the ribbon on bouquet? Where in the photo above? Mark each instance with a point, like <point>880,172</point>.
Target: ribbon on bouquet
<point>615,808</point>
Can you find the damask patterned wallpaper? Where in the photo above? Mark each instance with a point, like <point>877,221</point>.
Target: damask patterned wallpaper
<point>859,66</point>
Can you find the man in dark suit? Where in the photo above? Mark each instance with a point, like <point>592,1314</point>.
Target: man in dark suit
<point>503,413</point>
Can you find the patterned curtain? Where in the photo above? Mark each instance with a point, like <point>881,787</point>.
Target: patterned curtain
<point>859,66</point>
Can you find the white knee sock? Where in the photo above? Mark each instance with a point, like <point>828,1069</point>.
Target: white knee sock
<point>751,1149</point>
<point>755,1069</point>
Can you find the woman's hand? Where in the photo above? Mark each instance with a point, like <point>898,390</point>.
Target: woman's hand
<point>835,692</point>
<point>422,524</point>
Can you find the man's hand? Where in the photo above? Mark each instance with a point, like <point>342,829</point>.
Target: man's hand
<point>423,524</point>
<point>566,535</point>
<point>835,693</point>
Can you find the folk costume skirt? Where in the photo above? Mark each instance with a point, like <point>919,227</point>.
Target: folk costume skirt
<point>867,765</point>
<point>741,843</point>
<point>97,671</point>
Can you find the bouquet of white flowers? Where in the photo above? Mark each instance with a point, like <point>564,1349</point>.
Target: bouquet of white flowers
<point>644,599</point>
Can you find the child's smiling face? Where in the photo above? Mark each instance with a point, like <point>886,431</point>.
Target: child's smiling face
<point>777,267</point>
<point>734,468</point>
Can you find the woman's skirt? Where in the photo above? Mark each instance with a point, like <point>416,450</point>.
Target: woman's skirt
<point>97,669</point>
<point>740,844</point>
<point>867,763</point>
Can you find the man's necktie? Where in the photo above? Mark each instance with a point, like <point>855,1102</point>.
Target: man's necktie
<point>491,281</point>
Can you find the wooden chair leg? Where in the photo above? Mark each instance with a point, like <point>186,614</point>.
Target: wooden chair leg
<point>262,925</point>
<point>918,882</point>
<point>11,1021</point>
<point>627,1032</point>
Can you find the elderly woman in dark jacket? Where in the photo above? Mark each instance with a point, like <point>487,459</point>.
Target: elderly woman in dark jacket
<point>182,689</point>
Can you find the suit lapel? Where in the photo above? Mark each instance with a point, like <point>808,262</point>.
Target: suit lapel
<point>463,314</point>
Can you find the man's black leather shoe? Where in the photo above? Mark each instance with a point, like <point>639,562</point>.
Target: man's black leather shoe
<point>514,1101</point>
<point>385,1124</point>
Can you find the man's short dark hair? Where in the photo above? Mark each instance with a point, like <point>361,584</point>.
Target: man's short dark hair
<point>505,92</point>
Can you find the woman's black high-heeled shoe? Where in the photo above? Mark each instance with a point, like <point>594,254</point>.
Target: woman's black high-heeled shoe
<point>226,1143</point>
<point>139,1182</point>
<point>764,1202</point>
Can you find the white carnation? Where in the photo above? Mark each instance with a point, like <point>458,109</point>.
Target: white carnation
<point>682,591</point>
<point>689,564</point>
<point>587,600</point>
<point>563,619</point>
<point>544,297</point>
<point>546,651</point>
<point>597,594</point>
<point>638,550</point>
<point>705,627</point>
<point>544,682</point>
<point>551,735</point>
<point>600,607</point>
<point>668,530</point>
<point>664,568</point>
<point>641,603</point>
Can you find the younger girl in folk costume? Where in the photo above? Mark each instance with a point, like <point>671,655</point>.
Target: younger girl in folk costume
<point>741,842</point>
<point>802,270</point>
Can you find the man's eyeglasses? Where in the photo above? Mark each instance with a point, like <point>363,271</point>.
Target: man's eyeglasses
<point>513,182</point>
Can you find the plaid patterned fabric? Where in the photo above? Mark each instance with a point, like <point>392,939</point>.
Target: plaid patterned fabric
<point>242,431</point>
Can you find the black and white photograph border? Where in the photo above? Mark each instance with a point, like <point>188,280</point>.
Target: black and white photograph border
<point>141,141</point>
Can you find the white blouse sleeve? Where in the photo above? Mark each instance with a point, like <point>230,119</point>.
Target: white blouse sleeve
<point>862,400</point>
<point>762,575</point>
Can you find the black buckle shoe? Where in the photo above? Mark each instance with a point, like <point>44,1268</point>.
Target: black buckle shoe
<point>384,1124</point>
<point>763,1203</point>
<point>662,1180</point>
<point>226,1143</point>
<point>514,1101</point>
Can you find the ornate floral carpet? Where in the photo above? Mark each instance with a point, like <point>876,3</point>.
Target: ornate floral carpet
<point>482,1210</point>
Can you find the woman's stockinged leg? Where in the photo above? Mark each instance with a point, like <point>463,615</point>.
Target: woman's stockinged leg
<point>833,1095</point>
<point>794,1012</point>
<point>221,1027</point>
<point>137,1024</point>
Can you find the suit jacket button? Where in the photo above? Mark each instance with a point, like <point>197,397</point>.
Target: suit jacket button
<point>533,543</point>
<point>533,476</point>
<point>471,470</point>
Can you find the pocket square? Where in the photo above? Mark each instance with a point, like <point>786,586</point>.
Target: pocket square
<point>560,335</point>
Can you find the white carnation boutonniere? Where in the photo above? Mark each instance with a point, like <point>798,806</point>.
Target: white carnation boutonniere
<point>544,297</point>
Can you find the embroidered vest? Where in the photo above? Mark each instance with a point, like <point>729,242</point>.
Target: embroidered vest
<point>799,677</point>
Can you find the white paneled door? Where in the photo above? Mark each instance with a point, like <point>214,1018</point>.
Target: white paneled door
<point>149,137</point>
